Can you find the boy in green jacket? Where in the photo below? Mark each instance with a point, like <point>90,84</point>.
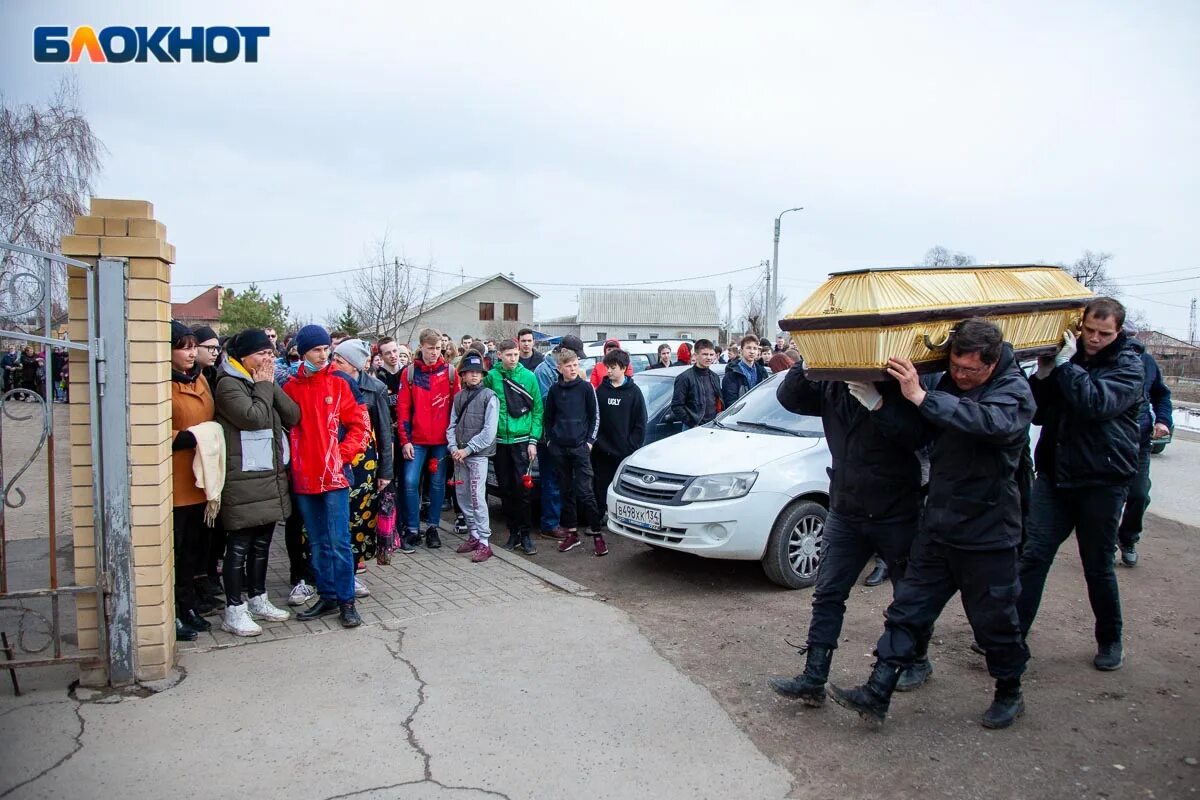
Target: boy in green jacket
<point>519,428</point>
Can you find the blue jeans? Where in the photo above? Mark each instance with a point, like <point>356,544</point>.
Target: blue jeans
<point>327,518</point>
<point>551,495</point>
<point>412,482</point>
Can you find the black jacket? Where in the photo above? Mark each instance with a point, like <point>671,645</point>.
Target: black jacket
<point>697,396</point>
<point>734,383</point>
<point>570,416</point>
<point>1156,396</point>
<point>1089,410</point>
<point>876,475</point>
<point>974,498</point>
<point>622,418</point>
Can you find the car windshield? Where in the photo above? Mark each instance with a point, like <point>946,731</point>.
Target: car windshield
<point>657,390</point>
<point>760,411</point>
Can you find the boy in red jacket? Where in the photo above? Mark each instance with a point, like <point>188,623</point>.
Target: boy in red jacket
<point>333,430</point>
<point>427,389</point>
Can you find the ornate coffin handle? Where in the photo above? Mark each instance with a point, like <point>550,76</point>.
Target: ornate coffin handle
<point>938,346</point>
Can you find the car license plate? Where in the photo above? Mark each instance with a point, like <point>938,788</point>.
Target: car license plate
<point>639,516</point>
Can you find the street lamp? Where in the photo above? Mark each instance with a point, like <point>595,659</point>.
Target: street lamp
<point>773,300</point>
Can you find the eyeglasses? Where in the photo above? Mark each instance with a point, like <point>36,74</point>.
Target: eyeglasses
<point>215,349</point>
<point>969,370</point>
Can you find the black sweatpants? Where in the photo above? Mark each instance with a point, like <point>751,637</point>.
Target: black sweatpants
<point>604,471</point>
<point>575,483</point>
<point>989,585</point>
<point>191,544</point>
<point>299,562</point>
<point>511,462</point>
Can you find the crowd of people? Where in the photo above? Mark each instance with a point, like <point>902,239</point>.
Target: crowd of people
<point>980,518</point>
<point>25,373</point>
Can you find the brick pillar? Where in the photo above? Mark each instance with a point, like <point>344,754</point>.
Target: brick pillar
<point>127,229</point>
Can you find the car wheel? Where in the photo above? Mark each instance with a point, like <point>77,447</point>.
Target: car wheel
<point>1158,447</point>
<point>794,550</point>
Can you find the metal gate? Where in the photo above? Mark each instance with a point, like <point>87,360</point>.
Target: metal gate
<point>33,303</point>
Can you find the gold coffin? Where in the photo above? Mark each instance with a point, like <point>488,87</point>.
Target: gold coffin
<point>848,328</point>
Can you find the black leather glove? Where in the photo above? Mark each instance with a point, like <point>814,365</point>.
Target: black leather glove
<point>184,440</point>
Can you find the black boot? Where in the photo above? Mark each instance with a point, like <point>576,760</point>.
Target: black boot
<point>322,608</point>
<point>1007,705</point>
<point>184,633</point>
<point>527,544</point>
<point>432,541</point>
<point>349,615</point>
<point>878,575</point>
<point>870,700</point>
<point>914,677</point>
<point>196,622</point>
<point>412,537</point>
<point>809,686</point>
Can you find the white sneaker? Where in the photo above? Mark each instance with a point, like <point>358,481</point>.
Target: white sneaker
<point>360,590</point>
<point>261,608</point>
<point>301,594</point>
<point>236,620</point>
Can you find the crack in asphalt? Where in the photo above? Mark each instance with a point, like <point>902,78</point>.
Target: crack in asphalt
<point>78,739</point>
<point>439,784</point>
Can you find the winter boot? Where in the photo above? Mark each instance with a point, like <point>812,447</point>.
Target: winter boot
<point>914,677</point>
<point>809,686</point>
<point>1007,705</point>
<point>871,700</point>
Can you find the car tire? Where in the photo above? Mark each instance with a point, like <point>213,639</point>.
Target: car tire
<point>793,553</point>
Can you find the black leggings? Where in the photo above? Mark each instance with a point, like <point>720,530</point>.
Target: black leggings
<point>246,550</point>
<point>190,536</point>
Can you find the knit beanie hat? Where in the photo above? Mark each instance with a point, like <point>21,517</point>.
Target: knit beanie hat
<point>179,332</point>
<point>248,342</point>
<point>311,336</point>
<point>355,351</point>
<point>204,333</point>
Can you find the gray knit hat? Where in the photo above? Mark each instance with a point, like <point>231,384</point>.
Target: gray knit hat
<point>355,351</point>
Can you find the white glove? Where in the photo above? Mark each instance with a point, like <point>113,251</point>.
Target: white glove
<point>1067,351</point>
<point>865,393</point>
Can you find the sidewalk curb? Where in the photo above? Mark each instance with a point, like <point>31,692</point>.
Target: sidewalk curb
<point>541,573</point>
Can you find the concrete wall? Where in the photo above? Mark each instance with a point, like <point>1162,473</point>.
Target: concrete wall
<point>461,315</point>
<point>127,229</point>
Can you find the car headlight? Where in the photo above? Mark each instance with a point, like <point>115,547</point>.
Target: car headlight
<point>719,487</point>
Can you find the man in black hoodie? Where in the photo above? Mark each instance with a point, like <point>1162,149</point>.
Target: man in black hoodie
<point>571,420</point>
<point>622,423</point>
<point>697,396</point>
<point>978,417</point>
<point>1089,400</point>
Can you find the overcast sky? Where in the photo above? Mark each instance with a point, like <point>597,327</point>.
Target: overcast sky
<point>617,143</point>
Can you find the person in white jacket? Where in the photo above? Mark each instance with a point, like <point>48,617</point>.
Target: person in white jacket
<point>471,437</point>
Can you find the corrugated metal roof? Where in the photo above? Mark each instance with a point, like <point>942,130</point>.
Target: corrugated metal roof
<point>695,307</point>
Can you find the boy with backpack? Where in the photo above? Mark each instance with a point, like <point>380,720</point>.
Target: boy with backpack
<point>474,417</point>
<point>622,424</point>
<point>517,432</point>
<point>572,421</point>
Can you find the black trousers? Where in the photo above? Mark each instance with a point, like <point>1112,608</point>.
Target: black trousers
<point>848,546</point>
<point>511,462</point>
<point>1093,513</point>
<point>299,561</point>
<point>576,486</point>
<point>191,540</point>
<point>989,585</point>
<point>215,554</point>
<point>1129,532</point>
<point>246,562</point>
<point>604,472</point>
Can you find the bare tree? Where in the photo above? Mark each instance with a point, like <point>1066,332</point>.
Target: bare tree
<point>1091,269</point>
<point>48,157</point>
<point>386,292</point>
<point>501,329</point>
<point>754,309</point>
<point>938,256</point>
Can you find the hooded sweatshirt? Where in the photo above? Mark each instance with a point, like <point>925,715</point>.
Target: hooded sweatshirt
<point>683,355</point>
<point>600,372</point>
<point>622,419</point>
<point>423,406</point>
<point>571,416</point>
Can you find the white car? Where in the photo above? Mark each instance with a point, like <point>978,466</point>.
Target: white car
<point>751,485</point>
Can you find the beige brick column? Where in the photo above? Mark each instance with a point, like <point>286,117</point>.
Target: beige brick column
<point>127,229</point>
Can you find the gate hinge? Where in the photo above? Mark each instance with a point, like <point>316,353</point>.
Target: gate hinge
<point>101,365</point>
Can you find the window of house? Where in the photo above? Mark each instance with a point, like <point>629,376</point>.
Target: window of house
<point>632,335</point>
<point>510,312</point>
<point>654,336</point>
<point>601,335</point>
<point>487,311</point>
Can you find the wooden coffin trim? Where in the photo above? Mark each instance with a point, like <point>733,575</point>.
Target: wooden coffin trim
<point>888,319</point>
<point>936,365</point>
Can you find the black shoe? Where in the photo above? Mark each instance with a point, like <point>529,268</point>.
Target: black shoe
<point>514,541</point>
<point>527,544</point>
<point>915,676</point>
<point>1109,657</point>
<point>184,633</point>
<point>1007,705</point>
<point>403,545</point>
<point>878,575</point>
<point>871,700</point>
<point>412,538</point>
<point>1129,555</point>
<point>349,616</point>
<point>321,608</point>
<point>431,538</point>
<point>196,622</point>
<point>809,686</point>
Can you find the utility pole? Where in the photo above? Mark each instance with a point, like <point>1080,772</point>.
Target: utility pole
<point>768,296</point>
<point>1192,323</point>
<point>729,314</point>
<point>771,325</point>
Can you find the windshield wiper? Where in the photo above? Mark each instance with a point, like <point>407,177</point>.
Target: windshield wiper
<point>717,424</point>
<point>766,426</point>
